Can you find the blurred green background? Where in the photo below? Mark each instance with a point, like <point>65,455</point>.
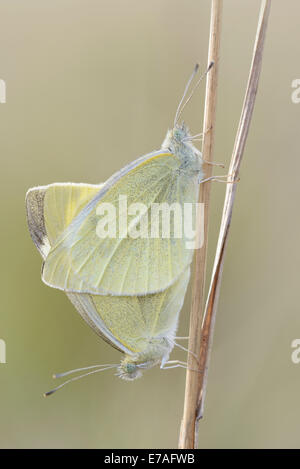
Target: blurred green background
<point>91,85</point>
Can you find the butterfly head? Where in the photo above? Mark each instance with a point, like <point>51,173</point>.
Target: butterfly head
<point>181,133</point>
<point>129,369</point>
<point>178,137</point>
<point>157,351</point>
<point>179,142</point>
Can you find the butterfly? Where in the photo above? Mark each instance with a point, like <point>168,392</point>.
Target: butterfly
<point>130,290</point>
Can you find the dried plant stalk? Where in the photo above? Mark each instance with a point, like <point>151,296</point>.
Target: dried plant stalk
<point>187,433</point>
<point>207,328</point>
<point>238,150</point>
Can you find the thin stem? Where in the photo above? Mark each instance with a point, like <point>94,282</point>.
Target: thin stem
<point>191,426</point>
<point>193,380</point>
<point>237,154</point>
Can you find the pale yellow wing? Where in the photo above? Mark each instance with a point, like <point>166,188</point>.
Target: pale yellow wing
<point>47,221</point>
<point>127,322</point>
<point>50,209</point>
<point>62,203</point>
<point>134,321</point>
<point>81,261</point>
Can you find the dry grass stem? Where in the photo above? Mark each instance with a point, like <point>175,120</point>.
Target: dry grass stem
<point>187,433</point>
<point>196,383</point>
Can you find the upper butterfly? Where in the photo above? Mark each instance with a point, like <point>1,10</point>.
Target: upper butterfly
<point>81,261</point>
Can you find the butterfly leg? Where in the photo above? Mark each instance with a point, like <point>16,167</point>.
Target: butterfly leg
<point>219,179</point>
<point>177,364</point>
<point>198,137</point>
<point>173,364</point>
<point>186,350</point>
<point>212,163</point>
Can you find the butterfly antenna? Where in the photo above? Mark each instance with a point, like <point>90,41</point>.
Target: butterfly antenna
<point>179,111</point>
<point>66,373</point>
<point>49,393</point>
<point>184,93</point>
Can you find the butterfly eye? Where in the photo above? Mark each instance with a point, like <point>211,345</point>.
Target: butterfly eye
<point>130,367</point>
<point>177,134</point>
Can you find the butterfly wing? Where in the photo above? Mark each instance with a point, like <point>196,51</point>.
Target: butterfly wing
<point>136,320</point>
<point>87,309</point>
<point>81,261</point>
<point>50,209</point>
<point>125,322</point>
<point>35,219</point>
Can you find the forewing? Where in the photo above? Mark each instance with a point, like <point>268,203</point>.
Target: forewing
<point>81,261</point>
<point>50,209</point>
<point>134,321</point>
<point>87,309</point>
